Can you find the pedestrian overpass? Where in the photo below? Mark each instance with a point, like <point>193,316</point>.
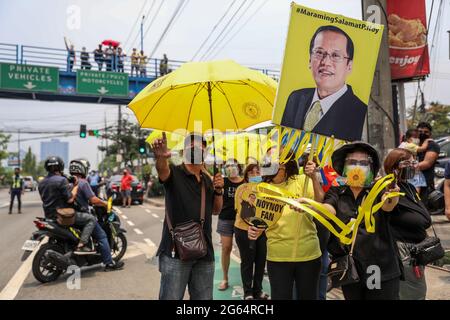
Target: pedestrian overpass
<point>40,73</point>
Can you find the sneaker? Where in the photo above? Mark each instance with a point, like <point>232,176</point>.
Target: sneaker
<point>114,266</point>
<point>20,212</point>
<point>249,298</point>
<point>9,212</point>
<point>262,296</point>
<point>84,250</point>
<point>128,206</point>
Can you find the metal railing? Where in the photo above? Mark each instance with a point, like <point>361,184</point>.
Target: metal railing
<point>9,53</point>
<point>60,58</point>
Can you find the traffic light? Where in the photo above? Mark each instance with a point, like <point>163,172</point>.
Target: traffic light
<point>93,133</point>
<point>83,131</point>
<point>142,146</point>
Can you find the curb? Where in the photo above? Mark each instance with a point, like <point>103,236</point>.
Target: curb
<point>154,203</point>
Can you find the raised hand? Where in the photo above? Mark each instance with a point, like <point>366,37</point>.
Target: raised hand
<point>159,147</point>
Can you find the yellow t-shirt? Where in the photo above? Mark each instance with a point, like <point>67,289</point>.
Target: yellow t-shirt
<point>294,237</point>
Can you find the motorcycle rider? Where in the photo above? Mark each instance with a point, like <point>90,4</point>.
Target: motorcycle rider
<point>80,168</point>
<point>56,192</point>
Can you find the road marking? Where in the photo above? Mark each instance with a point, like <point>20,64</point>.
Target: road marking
<point>11,290</point>
<point>162,220</point>
<point>4,205</point>
<point>150,243</point>
<point>148,211</point>
<point>235,257</point>
<point>125,217</point>
<point>130,223</point>
<point>138,231</point>
<point>155,215</point>
<point>118,210</point>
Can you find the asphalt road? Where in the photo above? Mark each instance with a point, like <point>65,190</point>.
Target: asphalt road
<point>140,278</point>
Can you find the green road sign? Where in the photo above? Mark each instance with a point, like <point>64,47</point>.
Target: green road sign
<point>102,83</point>
<point>28,77</point>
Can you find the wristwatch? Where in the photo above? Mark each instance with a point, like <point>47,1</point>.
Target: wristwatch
<point>218,193</point>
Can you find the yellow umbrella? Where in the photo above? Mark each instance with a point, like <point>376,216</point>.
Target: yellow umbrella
<point>174,141</point>
<point>220,94</point>
<point>241,146</point>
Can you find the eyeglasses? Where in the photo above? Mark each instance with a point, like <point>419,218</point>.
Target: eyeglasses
<point>354,162</point>
<point>320,54</point>
<point>408,163</point>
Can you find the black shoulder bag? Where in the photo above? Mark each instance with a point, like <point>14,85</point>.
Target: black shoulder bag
<point>342,270</point>
<point>427,251</point>
<point>188,237</point>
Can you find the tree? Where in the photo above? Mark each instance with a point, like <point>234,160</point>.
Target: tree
<point>438,115</point>
<point>126,144</point>
<point>4,139</point>
<point>29,163</point>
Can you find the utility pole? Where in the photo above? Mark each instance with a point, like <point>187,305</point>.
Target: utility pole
<point>18,147</point>
<point>380,122</point>
<point>119,138</point>
<point>142,33</point>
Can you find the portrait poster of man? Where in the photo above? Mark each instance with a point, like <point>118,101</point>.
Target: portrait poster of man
<point>327,73</point>
<point>256,211</point>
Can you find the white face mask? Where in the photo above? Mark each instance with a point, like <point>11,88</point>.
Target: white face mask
<point>232,171</point>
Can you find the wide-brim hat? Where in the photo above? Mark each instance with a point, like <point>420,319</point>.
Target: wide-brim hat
<point>338,157</point>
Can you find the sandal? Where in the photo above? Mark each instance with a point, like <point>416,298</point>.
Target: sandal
<point>249,298</point>
<point>223,286</point>
<point>263,296</point>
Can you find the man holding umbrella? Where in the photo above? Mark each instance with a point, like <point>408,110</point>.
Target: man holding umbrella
<point>184,185</point>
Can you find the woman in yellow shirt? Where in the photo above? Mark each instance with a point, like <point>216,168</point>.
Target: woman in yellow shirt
<point>293,250</point>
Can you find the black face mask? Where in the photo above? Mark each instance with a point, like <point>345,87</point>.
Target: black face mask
<point>423,137</point>
<point>406,173</point>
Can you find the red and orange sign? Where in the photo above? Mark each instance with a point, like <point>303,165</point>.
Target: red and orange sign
<point>408,39</point>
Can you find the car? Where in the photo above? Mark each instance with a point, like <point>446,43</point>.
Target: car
<point>29,183</point>
<point>113,190</point>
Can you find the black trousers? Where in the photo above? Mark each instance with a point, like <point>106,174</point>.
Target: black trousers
<point>305,276</point>
<point>253,262</point>
<point>15,193</point>
<point>389,290</point>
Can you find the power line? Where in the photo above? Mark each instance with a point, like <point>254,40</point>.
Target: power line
<point>230,29</point>
<point>155,15</point>
<point>212,31</point>
<point>133,26</point>
<point>166,29</point>
<point>242,27</point>
<point>223,30</point>
<point>147,15</point>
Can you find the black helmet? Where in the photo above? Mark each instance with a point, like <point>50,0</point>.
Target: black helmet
<point>54,163</point>
<point>79,166</point>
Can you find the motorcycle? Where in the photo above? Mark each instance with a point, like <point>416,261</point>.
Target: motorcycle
<point>55,256</point>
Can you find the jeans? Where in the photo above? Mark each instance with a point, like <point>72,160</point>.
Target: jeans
<point>15,193</point>
<point>197,275</point>
<point>87,221</point>
<point>105,250</point>
<point>252,262</point>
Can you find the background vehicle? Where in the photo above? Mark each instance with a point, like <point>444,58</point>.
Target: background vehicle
<point>444,155</point>
<point>29,183</point>
<point>113,190</point>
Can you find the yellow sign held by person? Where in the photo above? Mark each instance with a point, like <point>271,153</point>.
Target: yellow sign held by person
<point>327,73</point>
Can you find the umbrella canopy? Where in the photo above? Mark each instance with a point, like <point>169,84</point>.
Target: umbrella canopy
<point>242,146</point>
<point>175,141</point>
<point>220,94</point>
<point>110,42</point>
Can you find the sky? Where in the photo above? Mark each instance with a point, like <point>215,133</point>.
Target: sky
<point>258,43</point>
